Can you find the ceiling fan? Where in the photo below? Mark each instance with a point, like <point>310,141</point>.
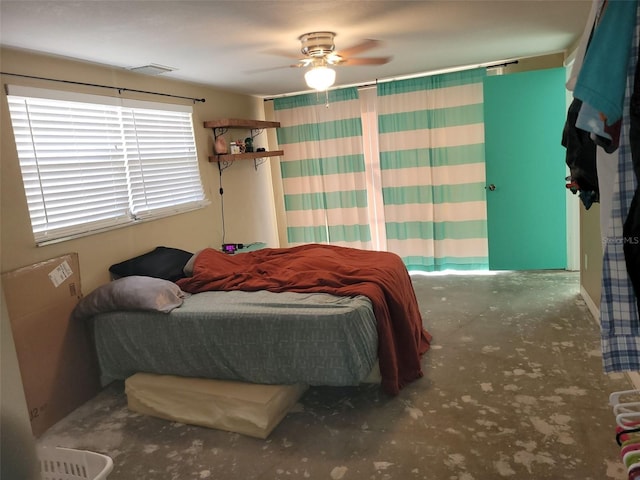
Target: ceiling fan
<point>320,47</point>
<point>319,53</point>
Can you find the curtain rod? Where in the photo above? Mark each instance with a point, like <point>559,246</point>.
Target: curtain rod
<point>120,89</point>
<point>401,77</point>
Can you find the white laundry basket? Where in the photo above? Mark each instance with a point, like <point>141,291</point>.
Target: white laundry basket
<point>57,463</point>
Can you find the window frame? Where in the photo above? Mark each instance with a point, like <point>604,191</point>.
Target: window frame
<point>173,160</point>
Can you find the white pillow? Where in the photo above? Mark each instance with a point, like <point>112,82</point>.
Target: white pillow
<point>131,293</point>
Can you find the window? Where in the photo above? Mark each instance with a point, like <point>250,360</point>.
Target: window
<point>91,163</point>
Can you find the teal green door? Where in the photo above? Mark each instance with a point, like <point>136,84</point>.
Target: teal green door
<point>525,162</point>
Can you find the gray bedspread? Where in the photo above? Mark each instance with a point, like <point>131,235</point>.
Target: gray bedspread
<point>259,337</point>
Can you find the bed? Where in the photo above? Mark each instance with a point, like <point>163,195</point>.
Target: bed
<point>313,314</point>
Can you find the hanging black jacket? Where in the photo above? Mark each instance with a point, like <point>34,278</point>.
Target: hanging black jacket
<point>580,157</point>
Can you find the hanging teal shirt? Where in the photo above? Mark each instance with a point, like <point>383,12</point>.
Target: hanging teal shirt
<point>601,81</point>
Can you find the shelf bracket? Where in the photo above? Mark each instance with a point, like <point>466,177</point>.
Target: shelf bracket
<point>224,164</point>
<point>255,132</point>
<point>217,131</point>
<point>257,162</point>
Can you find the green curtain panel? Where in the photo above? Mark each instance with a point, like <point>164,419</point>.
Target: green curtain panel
<point>432,168</point>
<point>322,169</point>
<point>410,181</point>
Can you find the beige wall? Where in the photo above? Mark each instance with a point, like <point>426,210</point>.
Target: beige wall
<point>248,198</point>
<point>591,252</point>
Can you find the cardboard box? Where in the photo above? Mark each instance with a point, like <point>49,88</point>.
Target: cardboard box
<point>57,361</point>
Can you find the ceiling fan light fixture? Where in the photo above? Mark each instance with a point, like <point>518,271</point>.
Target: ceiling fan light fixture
<point>320,78</point>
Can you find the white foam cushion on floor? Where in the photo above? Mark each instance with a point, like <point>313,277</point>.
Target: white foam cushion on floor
<point>247,408</point>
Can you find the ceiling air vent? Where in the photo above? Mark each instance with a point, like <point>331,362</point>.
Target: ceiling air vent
<point>152,69</point>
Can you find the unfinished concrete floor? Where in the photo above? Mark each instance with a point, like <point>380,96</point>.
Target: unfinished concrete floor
<point>513,387</point>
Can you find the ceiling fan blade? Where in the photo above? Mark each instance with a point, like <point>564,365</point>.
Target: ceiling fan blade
<point>367,44</point>
<point>365,61</point>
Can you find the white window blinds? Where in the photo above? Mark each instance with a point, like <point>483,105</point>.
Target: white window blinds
<point>91,163</point>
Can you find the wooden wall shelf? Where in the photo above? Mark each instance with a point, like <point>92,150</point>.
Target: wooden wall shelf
<point>240,123</point>
<point>221,126</point>
<point>230,157</point>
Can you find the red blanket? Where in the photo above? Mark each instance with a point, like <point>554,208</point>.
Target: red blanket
<point>380,276</point>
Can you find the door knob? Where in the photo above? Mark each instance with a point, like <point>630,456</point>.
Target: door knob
<point>491,187</point>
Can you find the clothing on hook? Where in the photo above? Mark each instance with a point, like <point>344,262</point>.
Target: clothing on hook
<point>580,157</point>
<point>623,434</point>
<point>619,320</point>
<point>631,227</point>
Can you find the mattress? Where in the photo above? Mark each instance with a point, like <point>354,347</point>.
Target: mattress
<point>259,337</point>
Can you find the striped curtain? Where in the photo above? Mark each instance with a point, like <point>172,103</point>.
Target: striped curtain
<point>322,169</point>
<point>431,141</point>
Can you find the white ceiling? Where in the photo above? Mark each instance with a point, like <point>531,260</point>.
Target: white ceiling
<point>230,44</point>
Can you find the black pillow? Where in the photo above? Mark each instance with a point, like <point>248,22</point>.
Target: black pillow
<point>163,262</point>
